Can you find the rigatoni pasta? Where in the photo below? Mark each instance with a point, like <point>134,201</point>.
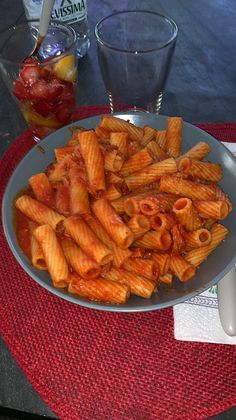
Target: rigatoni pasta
<point>53,254</point>
<point>201,170</point>
<point>139,285</point>
<point>79,201</point>
<point>122,209</point>
<point>174,136</point>
<point>151,173</point>
<point>113,223</point>
<point>78,230</point>
<point>42,189</point>
<point>37,211</point>
<point>93,159</point>
<point>36,252</point>
<point>80,262</point>
<point>99,289</point>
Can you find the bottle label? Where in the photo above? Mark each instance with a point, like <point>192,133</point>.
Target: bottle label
<point>69,10</point>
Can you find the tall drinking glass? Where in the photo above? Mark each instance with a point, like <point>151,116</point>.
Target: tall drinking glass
<point>43,86</point>
<point>135,49</point>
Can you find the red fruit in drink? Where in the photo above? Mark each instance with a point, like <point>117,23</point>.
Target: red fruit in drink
<point>46,72</point>
<point>68,91</point>
<point>30,73</point>
<point>43,107</point>
<point>65,112</point>
<point>46,90</point>
<point>39,90</point>
<point>20,91</point>
<point>31,60</point>
<point>55,89</point>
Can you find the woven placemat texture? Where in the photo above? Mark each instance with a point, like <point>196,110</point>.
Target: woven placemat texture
<point>88,364</point>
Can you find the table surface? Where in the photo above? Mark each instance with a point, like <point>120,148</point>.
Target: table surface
<point>201,88</point>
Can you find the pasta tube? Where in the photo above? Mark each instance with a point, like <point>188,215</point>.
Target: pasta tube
<point>181,268</point>
<point>37,257</point>
<point>74,139</point>
<point>178,237</point>
<point>197,238</point>
<point>136,162</point>
<point>53,254</point>
<point>111,123</point>
<point>163,262</point>
<point>79,200</point>
<point>113,178</point>
<point>151,173</point>
<point>149,134</point>
<point>162,221</point>
<point>62,198</point>
<point>99,289</point>
<point>156,151</point>
<point>139,285</point>
<point>202,170</point>
<point>78,260</point>
<point>198,255</point>
<point>220,195</point>
<point>199,151</point>
<point>153,204</point>
<point>131,206</point>
<point>113,161</point>
<point>113,223</point>
<point>119,254</point>
<point>166,278</point>
<point>61,152</point>
<point>120,140</point>
<point>76,227</point>
<point>102,135</point>
<point>37,211</point>
<point>122,204</point>
<point>60,170</point>
<point>149,205</point>
<point>42,189</point>
<point>139,224</point>
<point>155,240</point>
<point>186,214</point>
<point>112,193</point>
<point>174,136</point>
<point>214,209</point>
<point>142,266</point>
<point>161,139</point>
<point>93,159</point>
<point>186,188</point>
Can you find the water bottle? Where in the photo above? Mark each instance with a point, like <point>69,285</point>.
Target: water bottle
<point>72,12</point>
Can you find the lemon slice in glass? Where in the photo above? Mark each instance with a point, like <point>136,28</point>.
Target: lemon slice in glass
<point>65,69</point>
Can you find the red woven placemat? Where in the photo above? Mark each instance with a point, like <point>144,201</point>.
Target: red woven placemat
<point>88,364</point>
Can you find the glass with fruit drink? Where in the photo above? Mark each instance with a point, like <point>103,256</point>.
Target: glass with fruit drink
<point>43,86</point>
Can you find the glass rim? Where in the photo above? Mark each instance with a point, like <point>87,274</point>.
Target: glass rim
<point>108,45</point>
<point>46,62</point>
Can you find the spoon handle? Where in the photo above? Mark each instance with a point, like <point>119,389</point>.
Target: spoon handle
<point>45,17</point>
<point>226,292</point>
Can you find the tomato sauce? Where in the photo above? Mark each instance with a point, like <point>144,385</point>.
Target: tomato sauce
<point>22,229</point>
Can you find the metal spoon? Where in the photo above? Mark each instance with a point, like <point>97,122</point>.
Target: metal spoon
<point>226,293</point>
<point>45,17</point>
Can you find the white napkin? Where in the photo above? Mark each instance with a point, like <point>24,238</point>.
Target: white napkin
<point>197,319</point>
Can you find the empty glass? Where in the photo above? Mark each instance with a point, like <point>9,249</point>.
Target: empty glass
<point>44,87</point>
<point>135,49</point>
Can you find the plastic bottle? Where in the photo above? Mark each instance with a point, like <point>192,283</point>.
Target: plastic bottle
<point>72,12</point>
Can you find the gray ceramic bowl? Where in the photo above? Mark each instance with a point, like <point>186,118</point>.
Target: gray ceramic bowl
<point>211,271</point>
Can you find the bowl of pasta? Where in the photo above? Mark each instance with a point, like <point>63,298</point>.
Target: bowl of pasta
<point>124,212</point>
